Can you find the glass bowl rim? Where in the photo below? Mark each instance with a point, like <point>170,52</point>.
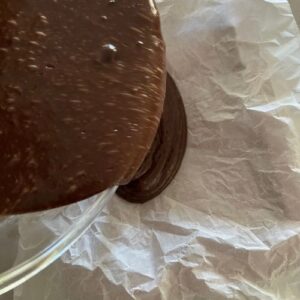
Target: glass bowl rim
<point>22,272</point>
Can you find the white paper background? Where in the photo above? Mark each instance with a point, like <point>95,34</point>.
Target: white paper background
<point>228,227</point>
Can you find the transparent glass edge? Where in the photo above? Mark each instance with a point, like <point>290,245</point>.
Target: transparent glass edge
<point>21,273</point>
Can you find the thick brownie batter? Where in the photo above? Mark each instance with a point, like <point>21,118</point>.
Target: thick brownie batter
<point>81,95</point>
<point>166,154</point>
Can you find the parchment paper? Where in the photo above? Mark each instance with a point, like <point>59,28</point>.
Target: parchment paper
<point>228,227</point>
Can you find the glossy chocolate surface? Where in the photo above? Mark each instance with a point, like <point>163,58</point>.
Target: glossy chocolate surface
<point>166,154</point>
<point>82,85</point>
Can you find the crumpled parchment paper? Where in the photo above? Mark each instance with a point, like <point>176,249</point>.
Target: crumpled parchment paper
<point>228,227</point>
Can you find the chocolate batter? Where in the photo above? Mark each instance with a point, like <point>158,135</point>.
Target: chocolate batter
<point>166,154</point>
<point>82,85</point>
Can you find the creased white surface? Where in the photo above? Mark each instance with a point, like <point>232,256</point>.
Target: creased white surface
<point>228,227</point>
